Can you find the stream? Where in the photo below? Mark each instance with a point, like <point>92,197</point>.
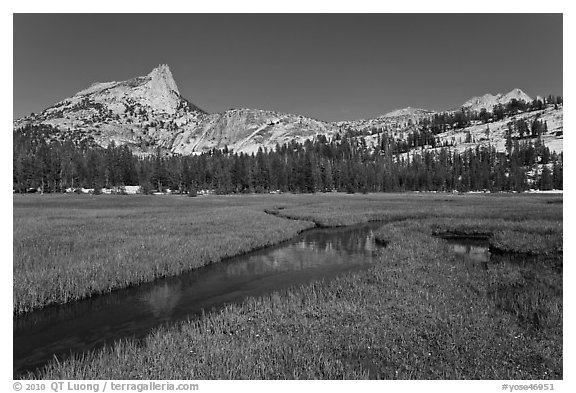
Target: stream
<point>84,325</point>
<point>81,326</point>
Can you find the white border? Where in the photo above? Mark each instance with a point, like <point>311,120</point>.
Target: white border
<point>299,6</point>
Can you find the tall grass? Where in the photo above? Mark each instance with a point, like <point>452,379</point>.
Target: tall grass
<point>71,247</point>
<point>419,313</point>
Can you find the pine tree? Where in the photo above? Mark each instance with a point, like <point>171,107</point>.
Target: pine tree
<point>546,180</point>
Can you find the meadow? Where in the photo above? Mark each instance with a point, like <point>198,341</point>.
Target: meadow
<point>70,247</point>
<point>418,313</point>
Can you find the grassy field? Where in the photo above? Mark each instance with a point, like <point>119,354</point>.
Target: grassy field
<point>69,247</point>
<point>419,313</point>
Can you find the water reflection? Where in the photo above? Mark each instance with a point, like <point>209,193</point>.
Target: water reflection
<point>162,299</point>
<point>133,312</point>
<point>472,250</point>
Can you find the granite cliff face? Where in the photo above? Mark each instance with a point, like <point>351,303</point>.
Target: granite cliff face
<point>399,119</point>
<point>246,130</point>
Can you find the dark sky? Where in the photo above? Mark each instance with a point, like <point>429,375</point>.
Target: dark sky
<point>331,67</point>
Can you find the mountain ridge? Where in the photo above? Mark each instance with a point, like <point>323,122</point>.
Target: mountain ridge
<point>148,112</point>
<point>488,101</point>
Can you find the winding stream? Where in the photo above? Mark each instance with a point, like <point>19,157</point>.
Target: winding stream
<point>88,324</point>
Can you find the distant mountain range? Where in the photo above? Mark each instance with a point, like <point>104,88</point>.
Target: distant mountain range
<point>148,112</point>
<point>488,101</point>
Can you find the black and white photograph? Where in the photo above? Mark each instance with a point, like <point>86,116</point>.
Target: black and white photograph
<point>287,196</point>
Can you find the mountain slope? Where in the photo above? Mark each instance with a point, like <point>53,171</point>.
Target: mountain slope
<point>397,120</point>
<point>246,130</point>
<point>494,133</point>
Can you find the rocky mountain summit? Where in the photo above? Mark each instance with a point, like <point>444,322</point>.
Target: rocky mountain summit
<point>488,101</point>
<point>148,112</point>
<point>142,112</point>
<point>156,91</point>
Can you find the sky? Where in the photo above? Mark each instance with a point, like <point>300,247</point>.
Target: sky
<point>330,67</point>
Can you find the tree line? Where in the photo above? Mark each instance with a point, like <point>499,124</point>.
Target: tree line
<point>344,164</point>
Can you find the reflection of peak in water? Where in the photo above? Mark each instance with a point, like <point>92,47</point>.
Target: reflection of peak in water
<point>459,249</point>
<point>162,299</point>
<point>314,250</point>
<point>134,311</point>
<point>480,257</point>
<point>370,243</point>
<point>343,240</point>
<point>290,259</point>
<point>471,252</point>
